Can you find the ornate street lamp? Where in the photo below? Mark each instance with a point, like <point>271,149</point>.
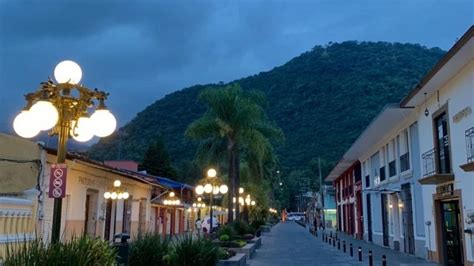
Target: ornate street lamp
<point>117,193</point>
<point>212,186</point>
<point>62,107</point>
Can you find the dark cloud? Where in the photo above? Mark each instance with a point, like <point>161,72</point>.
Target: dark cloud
<point>141,50</point>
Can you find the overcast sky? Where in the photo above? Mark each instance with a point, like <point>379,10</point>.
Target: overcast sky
<point>142,51</point>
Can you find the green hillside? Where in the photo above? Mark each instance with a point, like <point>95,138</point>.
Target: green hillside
<point>321,99</point>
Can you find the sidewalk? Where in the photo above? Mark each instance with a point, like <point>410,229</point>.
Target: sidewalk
<point>393,257</point>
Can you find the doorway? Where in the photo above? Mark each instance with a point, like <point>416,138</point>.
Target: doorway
<point>385,225</point>
<point>369,218</point>
<point>407,216</point>
<point>90,212</point>
<point>451,233</point>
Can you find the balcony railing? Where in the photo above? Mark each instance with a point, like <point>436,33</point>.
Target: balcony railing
<point>429,163</point>
<point>404,162</point>
<point>470,144</point>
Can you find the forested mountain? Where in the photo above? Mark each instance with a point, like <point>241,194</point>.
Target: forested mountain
<point>321,99</point>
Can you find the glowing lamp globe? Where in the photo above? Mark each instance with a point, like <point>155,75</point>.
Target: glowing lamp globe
<point>208,188</point>
<point>253,203</point>
<point>113,195</point>
<point>103,122</point>
<point>224,189</point>
<point>241,190</point>
<point>82,131</point>
<point>119,196</point>
<point>211,172</point>
<point>117,183</point>
<point>107,195</point>
<point>215,190</point>
<point>126,195</point>
<point>68,72</point>
<point>45,113</point>
<point>171,194</point>
<point>25,125</point>
<point>178,202</point>
<point>199,190</point>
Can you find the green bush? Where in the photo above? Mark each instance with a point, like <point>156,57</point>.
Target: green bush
<point>84,250</point>
<point>224,238</point>
<point>226,230</point>
<point>189,251</point>
<point>225,253</point>
<point>149,249</point>
<point>241,228</point>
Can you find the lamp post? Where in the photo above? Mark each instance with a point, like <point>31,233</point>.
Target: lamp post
<point>62,107</point>
<point>116,194</point>
<point>212,186</point>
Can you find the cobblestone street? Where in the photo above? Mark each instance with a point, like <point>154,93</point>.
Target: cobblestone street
<point>291,244</point>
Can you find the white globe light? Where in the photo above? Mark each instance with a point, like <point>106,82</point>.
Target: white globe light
<point>82,130</point>
<point>165,202</point>
<point>126,195</point>
<point>211,172</point>
<point>247,200</point>
<point>199,190</point>
<point>199,205</point>
<point>68,72</point>
<point>171,194</point>
<point>194,205</point>
<point>215,190</point>
<point>117,183</point>
<point>45,113</point>
<point>103,122</point>
<point>253,203</point>
<point>203,205</point>
<point>119,196</point>
<point>113,195</point>
<point>178,202</point>
<point>107,195</point>
<point>241,190</point>
<point>208,188</point>
<point>25,125</point>
<point>224,189</point>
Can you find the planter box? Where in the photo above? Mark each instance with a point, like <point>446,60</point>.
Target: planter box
<point>256,240</point>
<point>248,250</point>
<point>239,259</point>
<point>266,228</point>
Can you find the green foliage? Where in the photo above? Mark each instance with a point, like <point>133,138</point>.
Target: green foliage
<point>225,254</point>
<point>226,230</point>
<point>157,160</point>
<point>224,238</point>
<point>78,251</point>
<point>322,100</point>
<point>242,228</point>
<point>189,251</point>
<point>148,249</point>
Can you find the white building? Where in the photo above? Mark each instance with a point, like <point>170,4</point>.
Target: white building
<point>443,102</point>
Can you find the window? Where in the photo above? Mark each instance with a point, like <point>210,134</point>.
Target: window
<point>383,160</point>
<point>404,151</point>
<point>392,167</point>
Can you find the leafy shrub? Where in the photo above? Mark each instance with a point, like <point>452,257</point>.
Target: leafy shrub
<point>241,228</point>
<point>148,249</point>
<point>257,223</point>
<point>225,253</point>
<point>224,238</point>
<point>189,251</point>
<point>84,250</point>
<point>226,230</point>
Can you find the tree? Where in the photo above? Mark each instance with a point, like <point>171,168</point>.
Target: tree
<point>237,118</point>
<point>157,160</point>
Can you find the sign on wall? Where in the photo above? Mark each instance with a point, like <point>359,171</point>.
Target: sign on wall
<point>57,181</point>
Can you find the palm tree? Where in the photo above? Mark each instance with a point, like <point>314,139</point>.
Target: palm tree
<point>236,119</point>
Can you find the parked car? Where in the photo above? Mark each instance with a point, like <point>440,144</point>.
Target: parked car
<point>295,216</point>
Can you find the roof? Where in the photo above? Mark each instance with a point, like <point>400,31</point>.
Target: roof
<point>100,165</point>
<point>392,116</point>
<point>455,59</point>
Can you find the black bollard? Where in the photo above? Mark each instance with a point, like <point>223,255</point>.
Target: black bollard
<point>360,254</point>
<point>384,260</point>
<point>344,246</point>
<point>334,242</point>
<point>339,244</point>
<point>350,249</point>
<point>371,260</point>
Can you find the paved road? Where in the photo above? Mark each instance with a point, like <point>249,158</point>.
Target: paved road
<point>290,244</point>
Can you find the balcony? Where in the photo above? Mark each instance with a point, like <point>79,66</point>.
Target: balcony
<point>431,173</point>
<point>469,166</point>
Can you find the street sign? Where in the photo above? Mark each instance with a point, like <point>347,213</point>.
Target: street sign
<point>57,181</point>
